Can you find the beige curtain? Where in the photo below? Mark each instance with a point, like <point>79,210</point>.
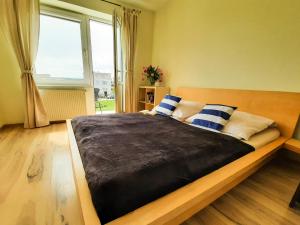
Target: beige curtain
<point>21,19</point>
<point>129,34</point>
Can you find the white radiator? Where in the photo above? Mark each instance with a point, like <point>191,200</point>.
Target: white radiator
<point>64,104</point>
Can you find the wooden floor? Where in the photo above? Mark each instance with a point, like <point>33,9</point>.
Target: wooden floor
<point>37,185</point>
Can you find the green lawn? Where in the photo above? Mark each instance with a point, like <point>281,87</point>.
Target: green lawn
<point>106,105</point>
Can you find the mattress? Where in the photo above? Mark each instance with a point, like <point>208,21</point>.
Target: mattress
<point>133,159</point>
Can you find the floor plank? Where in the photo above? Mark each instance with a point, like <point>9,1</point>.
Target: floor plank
<point>37,185</point>
<point>261,199</point>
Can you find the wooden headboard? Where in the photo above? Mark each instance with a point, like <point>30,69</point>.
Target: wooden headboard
<point>282,107</point>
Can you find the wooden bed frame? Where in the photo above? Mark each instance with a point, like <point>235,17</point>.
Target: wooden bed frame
<point>177,206</point>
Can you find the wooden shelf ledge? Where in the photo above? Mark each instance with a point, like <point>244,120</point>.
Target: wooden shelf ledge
<point>292,145</point>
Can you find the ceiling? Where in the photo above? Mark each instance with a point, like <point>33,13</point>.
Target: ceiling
<point>146,4</point>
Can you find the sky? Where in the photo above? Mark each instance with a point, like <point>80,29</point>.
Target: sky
<point>60,48</point>
<point>102,47</point>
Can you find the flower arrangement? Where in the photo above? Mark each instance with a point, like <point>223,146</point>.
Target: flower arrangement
<point>152,74</point>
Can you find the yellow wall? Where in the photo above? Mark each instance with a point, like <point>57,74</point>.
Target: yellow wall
<point>11,97</point>
<point>249,44</point>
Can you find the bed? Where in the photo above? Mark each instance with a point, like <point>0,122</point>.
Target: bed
<point>180,195</point>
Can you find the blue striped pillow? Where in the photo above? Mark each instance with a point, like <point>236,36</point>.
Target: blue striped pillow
<point>213,116</point>
<point>168,105</point>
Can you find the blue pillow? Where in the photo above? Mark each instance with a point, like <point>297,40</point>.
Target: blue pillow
<point>213,116</point>
<point>168,105</point>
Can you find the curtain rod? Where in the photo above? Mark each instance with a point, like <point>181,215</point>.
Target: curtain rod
<point>111,3</point>
<point>135,10</point>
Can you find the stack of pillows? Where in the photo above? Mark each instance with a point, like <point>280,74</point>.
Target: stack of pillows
<point>214,117</point>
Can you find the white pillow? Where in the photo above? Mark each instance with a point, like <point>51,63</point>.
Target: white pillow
<point>186,109</point>
<point>150,112</point>
<point>153,111</point>
<point>191,118</point>
<point>244,125</point>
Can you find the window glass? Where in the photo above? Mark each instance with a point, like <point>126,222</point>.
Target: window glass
<point>102,47</point>
<point>60,49</point>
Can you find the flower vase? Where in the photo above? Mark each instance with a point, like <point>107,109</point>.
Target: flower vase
<point>152,82</point>
<point>157,83</point>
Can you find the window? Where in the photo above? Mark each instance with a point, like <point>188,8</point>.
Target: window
<point>60,49</point>
<point>62,57</point>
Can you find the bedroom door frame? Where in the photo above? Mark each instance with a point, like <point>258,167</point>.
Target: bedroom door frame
<point>119,64</point>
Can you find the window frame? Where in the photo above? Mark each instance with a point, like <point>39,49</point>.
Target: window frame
<point>85,47</point>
